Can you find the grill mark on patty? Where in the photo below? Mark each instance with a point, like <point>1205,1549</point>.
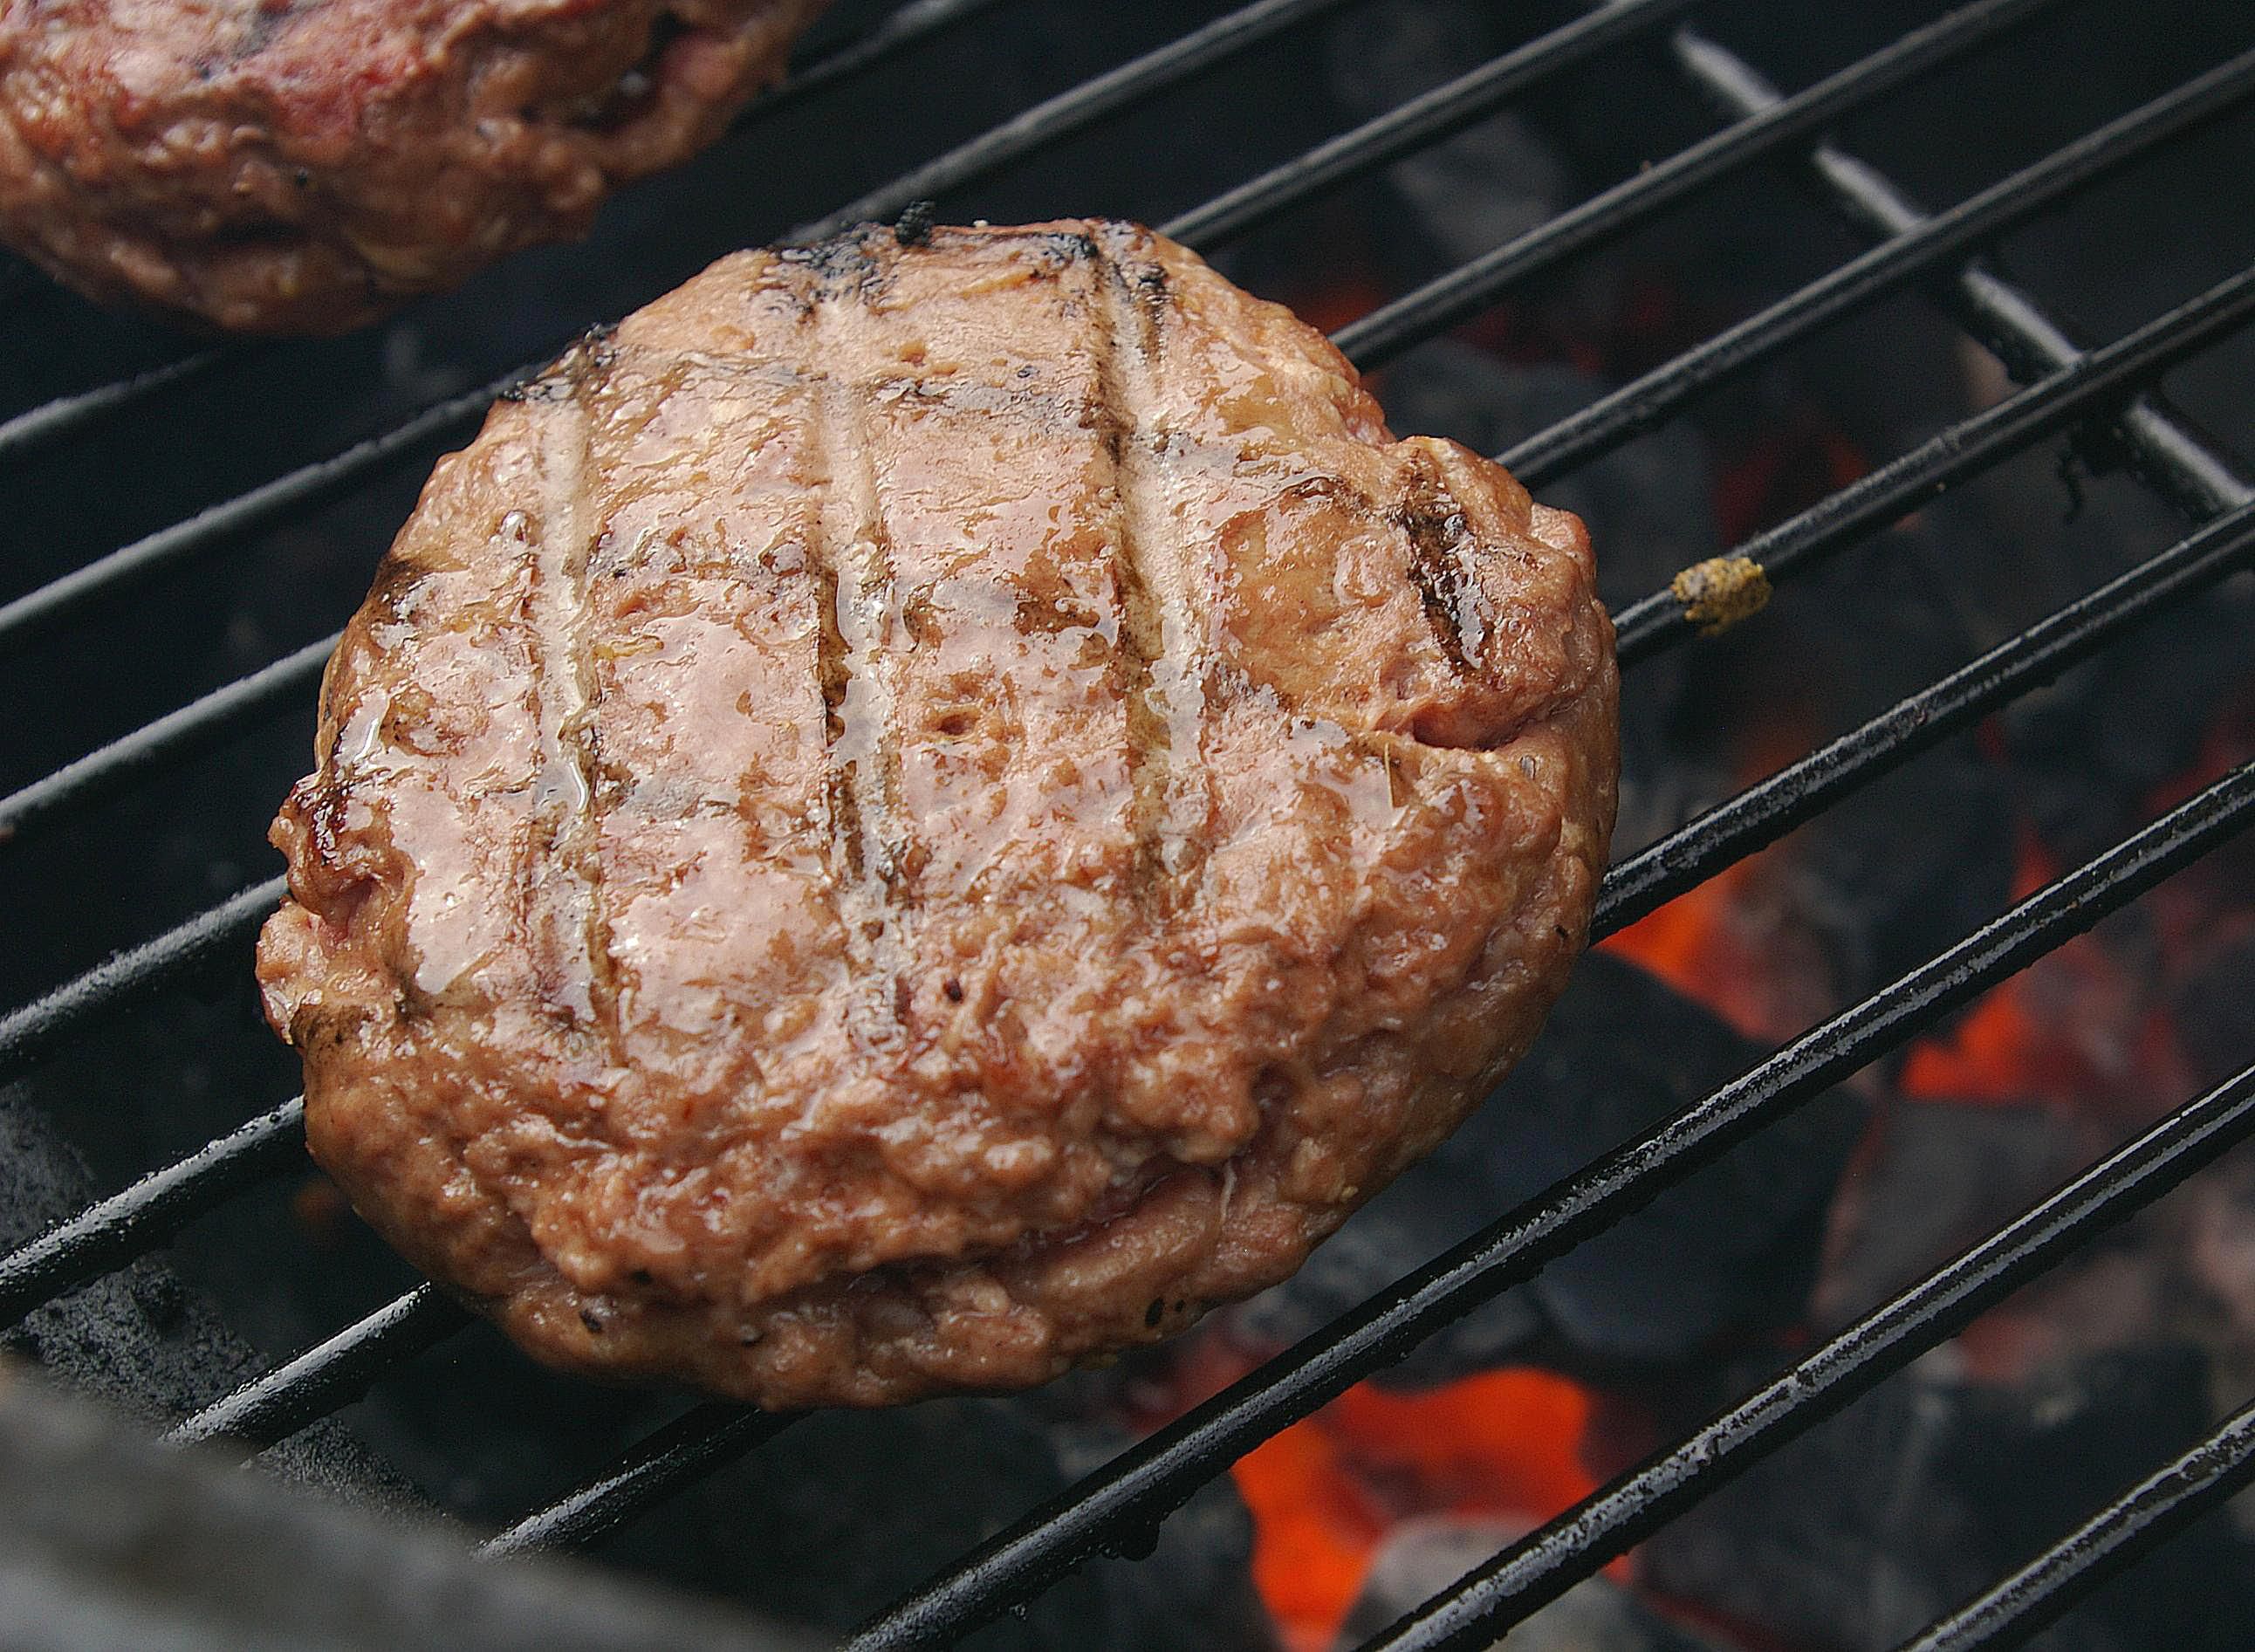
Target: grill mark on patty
<point>1143,629</point>
<point>859,610</point>
<point>571,929</point>
<point>1439,538</point>
<point>1166,691</point>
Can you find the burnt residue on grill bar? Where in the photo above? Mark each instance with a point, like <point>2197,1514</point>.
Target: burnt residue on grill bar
<point>1390,146</point>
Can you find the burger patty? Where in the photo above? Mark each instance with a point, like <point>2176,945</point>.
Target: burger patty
<point>925,812</point>
<point>304,166</point>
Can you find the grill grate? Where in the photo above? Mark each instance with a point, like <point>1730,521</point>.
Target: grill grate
<point>2102,394</point>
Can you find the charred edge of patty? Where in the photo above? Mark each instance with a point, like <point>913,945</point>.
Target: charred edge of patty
<point>592,355</point>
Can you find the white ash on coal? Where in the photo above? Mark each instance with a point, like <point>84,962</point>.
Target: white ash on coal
<point>1423,1557</point>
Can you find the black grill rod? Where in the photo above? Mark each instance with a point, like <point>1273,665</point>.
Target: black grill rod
<point>2149,1514</point>
<point>1963,449</point>
<point>111,1232</point>
<point>298,489</point>
<point>1426,119</point>
<point>1529,1574</point>
<point>197,726</point>
<point>329,1376</point>
<point>1654,621</point>
<point>1125,1500</point>
<point>1770,808</point>
<point>66,415</point>
<point>1166,1468</point>
<point>2185,466</point>
<point>903,27</point>
<point>27,1035</point>
<point>1470,288</point>
<point>694,1445</point>
<point>1076,109</point>
<point>1650,401</point>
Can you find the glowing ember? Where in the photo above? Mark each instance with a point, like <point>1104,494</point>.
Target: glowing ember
<point>1324,1492</point>
<point>2073,1027</point>
<point>1735,944</point>
<point>1691,944</point>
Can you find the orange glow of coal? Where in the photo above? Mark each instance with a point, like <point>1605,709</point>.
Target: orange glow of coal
<point>1334,304</point>
<point>2071,1028</point>
<point>1800,463</point>
<point>1315,1528</point>
<point>1324,1493</point>
<point>1998,1053</point>
<point>1696,944</point>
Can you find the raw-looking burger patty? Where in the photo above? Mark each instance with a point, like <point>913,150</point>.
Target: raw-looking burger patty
<point>924,813</point>
<point>304,166</point>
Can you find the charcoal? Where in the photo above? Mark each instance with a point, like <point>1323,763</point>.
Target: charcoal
<point>1729,1250</point>
<point>2098,745</point>
<point>846,1511</point>
<point>1475,190</point>
<point>138,1337</point>
<point>2215,1010</point>
<point>1420,1557</point>
<point>1941,1175</point>
<point>1926,1492</point>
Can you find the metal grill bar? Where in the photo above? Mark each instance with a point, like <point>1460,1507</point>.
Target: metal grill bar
<point>692,1446</point>
<point>1462,293</point>
<point>1424,120</point>
<point>67,415</point>
<point>1535,1570</point>
<point>29,1034</point>
<point>1075,110</point>
<point>1139,1488</point>
<point>333,1374</point>
<point>2184,465</point>
<point>329,1375</point>
<point>113,1231</point>
<point>908,25</point>
<point>1767,810</point>
<point>2142,1518</point>
<point>195,727</point>
<point>272,502</point>
<point>1648,402</point>
<point>1963,449</point>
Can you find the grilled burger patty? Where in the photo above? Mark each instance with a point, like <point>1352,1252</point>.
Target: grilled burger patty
<point>922,813</point>
<point>304,166</point>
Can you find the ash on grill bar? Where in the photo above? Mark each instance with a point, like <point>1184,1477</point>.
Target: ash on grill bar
<point>1865,1257</point>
